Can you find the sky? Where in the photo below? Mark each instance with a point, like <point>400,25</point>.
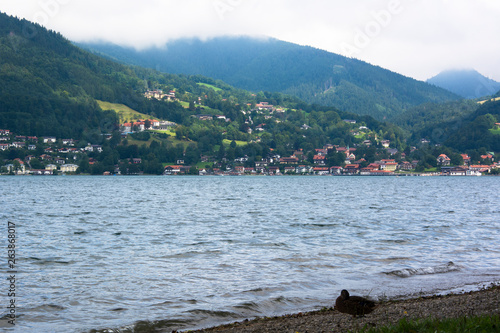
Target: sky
<point>416,38</point>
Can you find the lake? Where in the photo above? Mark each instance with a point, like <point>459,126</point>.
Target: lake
<point>105,252</point>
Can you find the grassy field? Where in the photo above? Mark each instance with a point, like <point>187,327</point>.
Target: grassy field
<point>238,143</point>
<point>171,140</point>
<point>124,112</point>
<point>210,86</point>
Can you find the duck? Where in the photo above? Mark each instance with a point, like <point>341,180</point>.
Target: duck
<point>353,305</point>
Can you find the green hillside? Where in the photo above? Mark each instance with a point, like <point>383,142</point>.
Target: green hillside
<point>313,75</point>
<point>50,87</point>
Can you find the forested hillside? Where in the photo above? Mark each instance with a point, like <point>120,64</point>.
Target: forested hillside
<point>313,75</point>
<point>49,86</point>
<point>478,130</point>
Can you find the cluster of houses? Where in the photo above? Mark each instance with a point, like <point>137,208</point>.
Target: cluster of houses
<point>160,95</point>
<point>295,165</point>
<point>61,158</point>
<point>61,163</point>
<point>148,124</point>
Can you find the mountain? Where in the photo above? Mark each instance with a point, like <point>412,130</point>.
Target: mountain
<point>466,83</point>
<point>49,87</point>
<point>313,75</point>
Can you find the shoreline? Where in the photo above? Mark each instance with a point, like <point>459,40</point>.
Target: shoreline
<point>467,304</point>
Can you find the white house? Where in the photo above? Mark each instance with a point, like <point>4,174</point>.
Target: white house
<point>69,168</point>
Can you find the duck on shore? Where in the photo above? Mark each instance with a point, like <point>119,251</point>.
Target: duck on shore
<point>353,305</point>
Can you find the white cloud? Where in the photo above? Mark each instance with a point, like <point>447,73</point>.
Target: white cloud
<point>417,38</point>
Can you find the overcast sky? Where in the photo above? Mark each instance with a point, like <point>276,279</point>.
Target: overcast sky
<point>417,38</point>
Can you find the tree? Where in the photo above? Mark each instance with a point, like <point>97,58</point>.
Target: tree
<point>36,164</point>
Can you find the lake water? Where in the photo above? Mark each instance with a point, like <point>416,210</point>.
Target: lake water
<point>105,252</point>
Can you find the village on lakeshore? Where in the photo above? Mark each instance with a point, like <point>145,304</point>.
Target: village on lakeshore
<point>32,155</point>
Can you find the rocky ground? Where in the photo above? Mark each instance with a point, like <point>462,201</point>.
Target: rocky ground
<point>329,320</point>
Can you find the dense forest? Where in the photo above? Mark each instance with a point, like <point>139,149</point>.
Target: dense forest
<point>313,75</point>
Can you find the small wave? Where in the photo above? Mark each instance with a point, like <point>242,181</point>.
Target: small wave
<point>248,306</point>
<point>40,261</point>
<point>409,272</point>
<point>49,308</point>
<point>217,314</point>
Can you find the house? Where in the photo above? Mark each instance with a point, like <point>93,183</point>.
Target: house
<point>289,160</point>
<point>260,168</point>
<point>172,170</point>
<point>336,170</point>
<point>204,117</point>
<point>289,170</point>
<point>68,142</point>
<point>487,157</point>
<point>350,121</point>
<point>51,167</point>
<point>443,160</point>
<point>239,169</point>
<point>261,164</point>
<point>41,172</point>
<point>303,169</point>
<point>274,170</point>
<point>250,171</point>
<point>18,144</point>
<point>4,146</point>
<point>49,139</point>
<point>299,154</point>
<point>31,147</point>
<point>97,148</point>
<point>264,106</point>
<point>321,152</point>
<point>480,168</point>
<point>385,143</point>
<point>20,171</point>
<point>352,169</point>
<point>319,159</point>
<point>453,171</point>
<point>126,127</point>
<point>305,127</point>
<point>321,171</point>
<point>405,166</point>
<point>63,150</point>
<point>159,95</point>
<point>390,166</point>
<point>4,132</point>
<point>466,159</point>
<point>69,168</point>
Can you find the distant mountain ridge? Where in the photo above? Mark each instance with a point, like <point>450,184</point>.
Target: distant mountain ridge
<point>467,83</point>
<point>314,75</point>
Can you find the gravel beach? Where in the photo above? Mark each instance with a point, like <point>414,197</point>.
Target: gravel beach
<point>330,320</point>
